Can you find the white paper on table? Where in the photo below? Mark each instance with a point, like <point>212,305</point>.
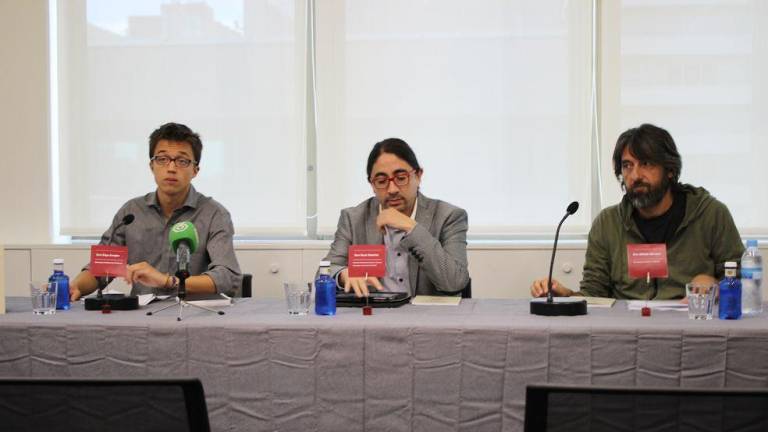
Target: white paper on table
<point>145,299</point>
<point>600,302</point>
<point>118,285</point>
<point>673,305</point>
<point>425,300</point>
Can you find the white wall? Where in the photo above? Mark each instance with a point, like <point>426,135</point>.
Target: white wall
<point>24,164</point>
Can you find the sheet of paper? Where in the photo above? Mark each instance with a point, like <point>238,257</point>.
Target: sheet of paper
<point>209,300</point>
<point>425,300</point>
<point>600,302</point>
<point>657,305</point>
<point>145,299</point>
<point>117,286</point>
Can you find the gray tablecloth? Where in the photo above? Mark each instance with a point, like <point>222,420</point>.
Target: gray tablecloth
<point>427,368</point>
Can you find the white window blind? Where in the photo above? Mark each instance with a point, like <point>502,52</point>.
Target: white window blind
<point>232,70</point>
<point>700,70</point>
<point>493,96</point>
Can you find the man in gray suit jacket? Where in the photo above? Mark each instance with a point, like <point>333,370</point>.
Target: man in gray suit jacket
<point>426,238</point>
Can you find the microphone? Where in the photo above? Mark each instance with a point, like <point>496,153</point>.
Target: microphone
<point>551,307</point>
<point>112,301</point>
<point>103,281</point>
<point>184,233</point>
<point>572,208</point>
<point>184,240</point>
<point>127,220</point>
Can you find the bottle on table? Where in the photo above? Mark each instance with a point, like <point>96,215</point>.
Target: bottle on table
<point>325,291</point>
<point>62,284</point>
<point>751,280</point>
<point>730,293</point>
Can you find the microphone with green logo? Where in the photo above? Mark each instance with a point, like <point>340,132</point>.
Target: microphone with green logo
<point>183,238</point>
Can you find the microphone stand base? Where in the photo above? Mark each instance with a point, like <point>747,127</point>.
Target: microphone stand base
<point>559,308</point>
<point>182,304</point>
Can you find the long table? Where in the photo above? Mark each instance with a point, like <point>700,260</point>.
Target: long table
<point>416,368</point>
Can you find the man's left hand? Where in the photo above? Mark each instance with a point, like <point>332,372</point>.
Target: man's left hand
<point>394,219</point>
<point>146,275</point>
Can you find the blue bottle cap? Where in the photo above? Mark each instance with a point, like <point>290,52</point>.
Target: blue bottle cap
<point>751,243</point>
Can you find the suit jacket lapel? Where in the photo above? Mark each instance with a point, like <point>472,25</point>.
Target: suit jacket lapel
<point>425,212</point>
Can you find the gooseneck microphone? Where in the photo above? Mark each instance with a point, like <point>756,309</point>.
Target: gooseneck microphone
<point>557,308</point>
<point>112,301</point>
<point>103,281</point>
<point>572,208</point>
<point>127,220</point>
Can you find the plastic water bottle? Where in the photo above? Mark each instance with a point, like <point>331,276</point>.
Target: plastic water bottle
<point>62,284</point>
<point>751,278</point>
<point>325,291</point>
<point>730,293</point>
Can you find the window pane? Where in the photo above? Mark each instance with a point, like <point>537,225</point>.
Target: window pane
<point>699,69</point>
<point>232,70</point>
<point>494,97</point>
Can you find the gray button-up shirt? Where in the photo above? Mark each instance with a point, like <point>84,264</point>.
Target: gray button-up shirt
<point>397,278</point>
<point>147,239</point>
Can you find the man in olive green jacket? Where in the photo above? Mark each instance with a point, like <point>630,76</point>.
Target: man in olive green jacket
<point>697,229</point>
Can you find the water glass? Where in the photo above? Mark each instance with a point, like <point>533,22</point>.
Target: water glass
<point>701,300</point>
<point>43,297</point>
<point>298,297</point>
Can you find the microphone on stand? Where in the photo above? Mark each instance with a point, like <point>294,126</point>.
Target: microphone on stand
<point>184,240</point>
<point>552,307</point>
<point>572,208</point>
<point>112,301</point>
<point>103,281</point>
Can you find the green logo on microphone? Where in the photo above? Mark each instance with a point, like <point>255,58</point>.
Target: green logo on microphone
<point>180,227</point>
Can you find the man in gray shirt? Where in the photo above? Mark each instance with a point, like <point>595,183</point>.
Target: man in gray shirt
<point>425,238</point>
<point>174,152</point>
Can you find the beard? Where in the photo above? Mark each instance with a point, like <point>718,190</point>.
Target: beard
<point>653,195</point>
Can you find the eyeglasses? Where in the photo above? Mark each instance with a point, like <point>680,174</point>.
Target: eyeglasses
<point>401,178</point>
<point>180,162</point>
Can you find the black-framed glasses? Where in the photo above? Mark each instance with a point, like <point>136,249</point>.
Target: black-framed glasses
<point>401,178</point>
<point>180,162</point>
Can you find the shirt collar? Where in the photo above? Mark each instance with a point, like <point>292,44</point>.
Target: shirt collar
<point>191,201</point>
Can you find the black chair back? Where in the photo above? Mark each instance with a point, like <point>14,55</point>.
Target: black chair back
<point>246,287</point>
<point>115,405</point>
<point>467,291</point>
<point>581,408</point>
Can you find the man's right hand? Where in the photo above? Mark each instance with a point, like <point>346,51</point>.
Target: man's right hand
<point>359,284</point>
<point>74,292</point>
<point>539,288</point>
<point>82,285</point>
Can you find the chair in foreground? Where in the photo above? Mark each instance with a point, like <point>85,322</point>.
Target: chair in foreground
<point>581,408</point>
<point>77,404</point>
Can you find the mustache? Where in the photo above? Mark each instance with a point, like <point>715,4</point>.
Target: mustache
<point>640,183</point>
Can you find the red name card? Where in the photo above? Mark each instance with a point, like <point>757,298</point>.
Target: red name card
<point>646,260</point>
<point>368,260</point>
<point>108,260</point>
